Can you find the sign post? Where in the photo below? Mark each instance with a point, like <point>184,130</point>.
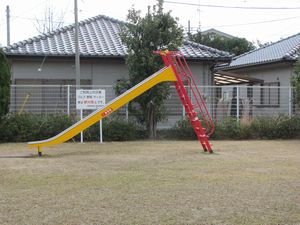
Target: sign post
<point>100,127</point>
<point>90,99</point>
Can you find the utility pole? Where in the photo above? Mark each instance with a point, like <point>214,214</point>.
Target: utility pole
<point>199,17</point>
<point>77,56</point>
<point>7,25</point>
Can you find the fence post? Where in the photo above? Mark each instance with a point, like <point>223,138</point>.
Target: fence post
<point>290,101</point>
<point>68,99</point>
<point>237,103</point>
<point>81,133</point>
<point>183,111</point>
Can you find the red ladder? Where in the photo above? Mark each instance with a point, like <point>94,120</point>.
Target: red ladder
<point>194,104</point>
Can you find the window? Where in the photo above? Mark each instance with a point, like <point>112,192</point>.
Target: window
<point>250,92</point>
<point>270,94</point>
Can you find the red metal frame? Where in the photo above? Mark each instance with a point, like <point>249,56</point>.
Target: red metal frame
<point>194,105</point>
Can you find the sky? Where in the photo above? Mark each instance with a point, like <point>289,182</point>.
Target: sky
<point>251,19</point>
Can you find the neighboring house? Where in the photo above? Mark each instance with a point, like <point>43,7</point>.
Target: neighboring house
<point>49,58</point>
<point>212,33</point>
<point>273,64</point>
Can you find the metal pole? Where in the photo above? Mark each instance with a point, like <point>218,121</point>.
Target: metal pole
<point>68,99</point>
<point>101,134</point>
<point>237,103</point>
<point>8,25</point>
<point>290,101</point>
<point>77,56</point>
<point>81,133</point>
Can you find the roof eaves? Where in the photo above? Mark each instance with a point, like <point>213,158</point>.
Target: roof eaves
<point>253,64</point>
<point>293,54</point>
<point>212,59</point>
<point>210,49</point>
<point>63,55</point>
<point>297,48</point>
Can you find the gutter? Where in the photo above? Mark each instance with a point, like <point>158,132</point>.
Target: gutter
<point>254,64</point>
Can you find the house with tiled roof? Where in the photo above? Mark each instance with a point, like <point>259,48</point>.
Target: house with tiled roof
<point>212,33</point>
<point>272,63</point>
<point>49,58</point>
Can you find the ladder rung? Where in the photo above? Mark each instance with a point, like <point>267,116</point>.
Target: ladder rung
<point>202,135</point>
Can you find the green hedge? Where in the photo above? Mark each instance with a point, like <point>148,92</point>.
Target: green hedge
<point>31,127</point>
<point>115,129</point>
<point>278,127</point>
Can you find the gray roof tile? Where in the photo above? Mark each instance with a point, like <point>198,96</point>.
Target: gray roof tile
<point>285,49</point>
<point>99,37</point>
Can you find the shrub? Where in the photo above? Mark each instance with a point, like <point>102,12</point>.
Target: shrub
<point>183,129</point>
<point>278,127</point>
<point>227,128</point>
<point>115,129</point>
<point>281,126</point>
<point>29,127</point>
<point>5,78</point>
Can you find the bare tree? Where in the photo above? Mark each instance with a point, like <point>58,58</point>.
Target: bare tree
<point>51,20</point>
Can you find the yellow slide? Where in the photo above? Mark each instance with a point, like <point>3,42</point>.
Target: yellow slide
<point>165,74</point>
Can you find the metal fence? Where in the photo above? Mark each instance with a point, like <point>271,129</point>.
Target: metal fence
<point>242,102</point>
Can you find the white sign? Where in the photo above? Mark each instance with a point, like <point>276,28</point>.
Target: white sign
<point>90,99</point>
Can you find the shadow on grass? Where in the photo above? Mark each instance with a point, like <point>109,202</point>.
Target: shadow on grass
<point>210,154</point>
<point>70,154</point>
<point>30,156</point>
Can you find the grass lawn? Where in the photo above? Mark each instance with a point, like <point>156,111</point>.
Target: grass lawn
<point>163,182</point>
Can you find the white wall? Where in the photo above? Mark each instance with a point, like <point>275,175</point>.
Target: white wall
<point>276,72</point>
<point>99,71</point>
<point>201,73</point>
<point>106,73</point>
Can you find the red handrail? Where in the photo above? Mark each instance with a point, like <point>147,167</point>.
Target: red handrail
<point>195,105</point>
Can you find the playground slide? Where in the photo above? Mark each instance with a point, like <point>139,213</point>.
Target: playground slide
<point>165,74</point>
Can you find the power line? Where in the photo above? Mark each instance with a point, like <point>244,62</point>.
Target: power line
<point>258,22</point>
<point>245,24</point>
<point>32,8</point>
<point>34,19</point>
<point>27,10</point>
<point>233,7</point>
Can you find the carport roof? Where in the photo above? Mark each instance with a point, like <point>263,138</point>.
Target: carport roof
<point>228,78</point>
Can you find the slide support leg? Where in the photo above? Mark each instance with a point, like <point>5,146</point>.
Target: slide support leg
<point>40,154</point>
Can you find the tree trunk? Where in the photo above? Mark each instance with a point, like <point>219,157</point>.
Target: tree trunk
<point>151,121</point>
